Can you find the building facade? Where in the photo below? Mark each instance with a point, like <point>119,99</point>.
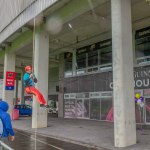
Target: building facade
<point>91,56</point>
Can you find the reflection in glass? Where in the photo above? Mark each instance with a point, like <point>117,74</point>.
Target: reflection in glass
<point>86,106</point>
<point>81,61</point>
<point>106,109</point>
<point>68,66</point>
<point>82,108</point>
<point>70,110</point>
<point>142,47</point>
<point>79,108</point>
<point>92,58</point>
<point>105,56</point>
<point>95,109</point>
<point>147,106</point>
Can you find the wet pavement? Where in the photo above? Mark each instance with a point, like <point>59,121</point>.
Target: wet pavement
<point>30,141</point>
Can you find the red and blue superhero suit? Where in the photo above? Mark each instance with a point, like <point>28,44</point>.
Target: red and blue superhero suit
<point>29,80</point>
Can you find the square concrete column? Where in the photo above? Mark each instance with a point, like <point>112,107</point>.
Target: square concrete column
<point>22,87</point>
<point>123,81</point>
<point>41,62</point>
<point>74,63</point>
<point>9,65</point>
<point>61,87</point>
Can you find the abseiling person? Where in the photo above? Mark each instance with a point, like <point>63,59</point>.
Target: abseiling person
<point>29,83</point>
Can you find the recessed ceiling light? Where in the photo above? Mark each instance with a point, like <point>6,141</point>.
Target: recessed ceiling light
<point>103,18</point>
<point>70,26</point>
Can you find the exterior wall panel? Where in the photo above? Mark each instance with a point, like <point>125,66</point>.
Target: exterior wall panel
<point>32,10</point>
<point>10,9</point>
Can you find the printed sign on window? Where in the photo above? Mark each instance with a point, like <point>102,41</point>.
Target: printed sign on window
<point>10,80</point>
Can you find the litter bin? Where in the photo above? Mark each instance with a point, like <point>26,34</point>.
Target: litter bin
<point>15,114</point>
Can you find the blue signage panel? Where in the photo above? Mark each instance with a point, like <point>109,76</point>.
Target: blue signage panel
<point>9,87</point>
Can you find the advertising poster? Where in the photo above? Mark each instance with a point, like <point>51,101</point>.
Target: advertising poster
<point>70,109</point>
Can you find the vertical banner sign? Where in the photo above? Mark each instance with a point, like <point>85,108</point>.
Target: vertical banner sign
<point>10,80</point>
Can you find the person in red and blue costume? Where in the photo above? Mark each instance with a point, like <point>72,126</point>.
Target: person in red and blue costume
<point>8,132</point>
<point>29,84</point>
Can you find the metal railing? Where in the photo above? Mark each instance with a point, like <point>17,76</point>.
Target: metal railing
<point>4,146</point>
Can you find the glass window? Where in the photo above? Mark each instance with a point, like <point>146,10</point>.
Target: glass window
<point>95,109</point>
<point>79,108</point>
<point>147,106</point>
<point>92,58</point>
<point>70,110</point>
<point>142,43</point>
<point>143,47</point>
<point>86,108</point>
<point>82,108</point>
<point>81,61</point>
<point>67,108</point>
<point>68,64</point>
<point>139,114</point>
<point>142,50</point>
<point>106,109</point>
<point>106,55</point>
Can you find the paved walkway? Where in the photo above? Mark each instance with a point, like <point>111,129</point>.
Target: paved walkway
<point>31,141</point>
<point>85,132</point>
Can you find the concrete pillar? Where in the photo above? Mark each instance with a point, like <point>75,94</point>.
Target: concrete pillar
<point>123,91</point>
<point>61,87</point>
<point>16,91</point>
<point>22,87</point>
<point>74,63</point>
<point>9,65</point>
<point>41,62</point>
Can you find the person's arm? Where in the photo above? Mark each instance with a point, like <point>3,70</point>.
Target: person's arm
<point>9,127</point>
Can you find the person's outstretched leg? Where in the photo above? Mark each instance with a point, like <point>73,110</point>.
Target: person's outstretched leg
<point>39,96</point>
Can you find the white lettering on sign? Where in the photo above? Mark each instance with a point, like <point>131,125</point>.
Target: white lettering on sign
<point>138,74</point>
<point>138,83</point>
<point>111,85</point>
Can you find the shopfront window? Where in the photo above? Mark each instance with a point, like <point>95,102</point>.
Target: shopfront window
<point>82,108</point>
<point>106,56</point>
<point>92,58</point>
<point>147,107</point>
<point>142,45</point>
<point>106,109</point>
<point>95,109</point>
<point>81,59</point>
<point>68,64</point>
<point>70,109</point>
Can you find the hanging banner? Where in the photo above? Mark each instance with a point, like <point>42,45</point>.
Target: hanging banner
<point>10,80</point>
